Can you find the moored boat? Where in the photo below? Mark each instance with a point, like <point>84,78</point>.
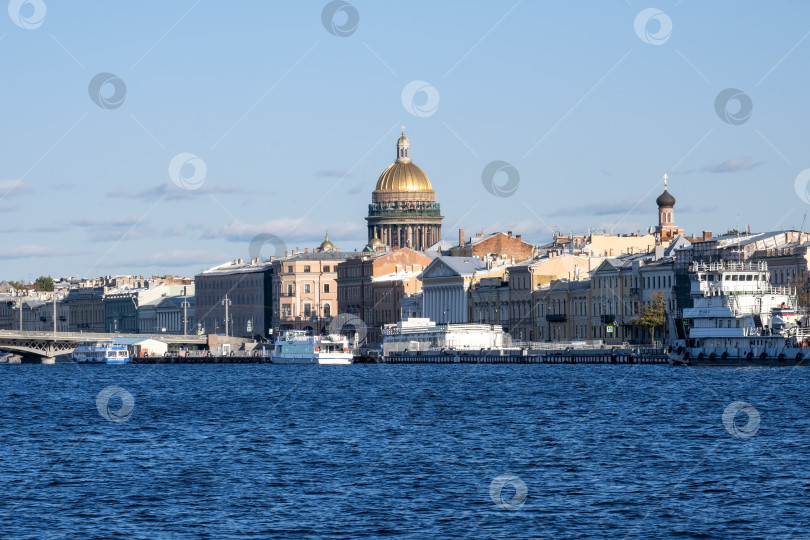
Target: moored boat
<point>739,318</point>
<point>298,347</point>
<point>100,351</point>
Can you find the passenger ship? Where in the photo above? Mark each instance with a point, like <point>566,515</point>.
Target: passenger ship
<point>739,318</point>
<point>297,347</point>
<point>100,351</point>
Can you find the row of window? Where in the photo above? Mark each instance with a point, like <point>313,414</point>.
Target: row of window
<point>286,311</point>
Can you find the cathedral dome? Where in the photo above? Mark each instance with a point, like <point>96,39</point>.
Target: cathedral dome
<point>403,176</point>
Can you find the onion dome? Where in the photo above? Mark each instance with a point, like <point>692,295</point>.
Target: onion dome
<point>665,199</point>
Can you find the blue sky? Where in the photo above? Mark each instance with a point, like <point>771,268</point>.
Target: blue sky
<point>295,124</point>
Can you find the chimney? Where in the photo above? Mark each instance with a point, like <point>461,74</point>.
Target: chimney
<point>306,250</point>
<point>461,237</point>
<point>510,234</point>
<point>707,235</point>
<point>517,237</point>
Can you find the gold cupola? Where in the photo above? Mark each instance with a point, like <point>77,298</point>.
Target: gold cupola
<point>403,175</point>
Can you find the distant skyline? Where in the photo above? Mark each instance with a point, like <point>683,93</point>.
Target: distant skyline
<point>278,119</point>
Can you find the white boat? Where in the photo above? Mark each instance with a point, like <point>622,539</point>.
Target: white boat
<point>738,317</point>
<point>100,351</point>
<point>298,347</point>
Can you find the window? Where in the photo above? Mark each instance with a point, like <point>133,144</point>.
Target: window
<point>306,268</point>
<point>307,310</point>
<point>289,269</point>
<point>289,290</point>
<point>307,288</point>
<point>327,310</point>
<point>285,310</point>
<point>327,268</point>
<point>326,287</point>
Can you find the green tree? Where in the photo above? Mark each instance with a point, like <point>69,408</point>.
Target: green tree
<point>44,283</point>
<point>653,315</point>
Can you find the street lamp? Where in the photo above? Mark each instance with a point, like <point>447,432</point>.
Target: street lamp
<point>226,302</point>
<point>185,306</point>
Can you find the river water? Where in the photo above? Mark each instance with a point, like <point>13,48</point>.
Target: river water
<point>411,451</point>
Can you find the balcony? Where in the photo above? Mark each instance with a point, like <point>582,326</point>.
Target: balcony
<point>556,317</point>
<point>608,319</point>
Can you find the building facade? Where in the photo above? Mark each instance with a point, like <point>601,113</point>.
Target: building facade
<point>371,286</point>
<point>305,290</point>
<point>243,291</point>
<point>445,283</point>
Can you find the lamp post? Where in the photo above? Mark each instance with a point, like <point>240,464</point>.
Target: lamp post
<point>226,302</point>
<point>185,306</point>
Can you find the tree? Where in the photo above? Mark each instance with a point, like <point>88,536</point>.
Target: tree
<point>802,285</point>
<point>653,315</point>
<point>44,283</point>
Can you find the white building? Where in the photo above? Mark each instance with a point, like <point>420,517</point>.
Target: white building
<point>421,334</point>
<point>445,283</point>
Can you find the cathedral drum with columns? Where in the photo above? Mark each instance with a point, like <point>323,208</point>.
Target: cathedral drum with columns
<point>403,210</point>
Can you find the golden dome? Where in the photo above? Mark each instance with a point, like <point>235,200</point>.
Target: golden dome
<point>403,139</point>
<point>326,245</point>
<point>403,176</point>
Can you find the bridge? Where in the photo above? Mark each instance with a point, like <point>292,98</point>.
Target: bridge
<point>47,345</point>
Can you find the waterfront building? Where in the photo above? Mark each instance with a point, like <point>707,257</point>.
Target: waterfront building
<point>496,245</point>
<point>445,283</point>
<point>403,210</point>
<point>561,310</point>
<point>176,315</point>
<point>411,306</point>
<point>422,334</point>
<point>489,300</point>
<point>372,285</point>
<point>526,276</point>
<point>246,288</point>
<point>44,316</point>
<point>305,295</point>
<point>86,306</point>
<point>121,306</point>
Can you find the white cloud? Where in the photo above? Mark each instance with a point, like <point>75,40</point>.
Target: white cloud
<point>34,250</point>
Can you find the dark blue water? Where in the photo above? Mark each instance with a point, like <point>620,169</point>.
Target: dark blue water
<point>408,451</point>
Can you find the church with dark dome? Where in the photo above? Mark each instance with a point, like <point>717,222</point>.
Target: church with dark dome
<point>666,229</point>
<point>403,210</point>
